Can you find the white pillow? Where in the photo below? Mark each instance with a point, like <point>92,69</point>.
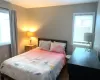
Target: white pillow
<point>45,45</point>
<point>63,44</point>
<point>57,47</point>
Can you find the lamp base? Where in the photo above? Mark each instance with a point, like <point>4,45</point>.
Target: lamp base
<point>30,42</point>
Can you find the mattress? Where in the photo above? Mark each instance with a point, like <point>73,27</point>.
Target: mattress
<point>35,64</point>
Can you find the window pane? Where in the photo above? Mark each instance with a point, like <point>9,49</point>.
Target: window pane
<point>4,28</point>
<point>82,24</point>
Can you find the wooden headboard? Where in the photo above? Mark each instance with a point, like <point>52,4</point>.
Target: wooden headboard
<point>45,39</point>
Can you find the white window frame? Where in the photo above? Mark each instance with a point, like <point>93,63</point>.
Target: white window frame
<point>93,31</point>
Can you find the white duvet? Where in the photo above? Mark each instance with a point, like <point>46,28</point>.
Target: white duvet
<point>34,65</point>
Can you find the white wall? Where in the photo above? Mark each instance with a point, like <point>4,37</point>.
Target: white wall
<point>97,30</point>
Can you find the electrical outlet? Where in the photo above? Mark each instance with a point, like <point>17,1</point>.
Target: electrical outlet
<point>6,55</point>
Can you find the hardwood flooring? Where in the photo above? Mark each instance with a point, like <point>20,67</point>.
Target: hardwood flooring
<point>64,74</point>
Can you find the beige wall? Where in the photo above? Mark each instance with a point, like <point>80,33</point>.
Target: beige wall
<point>56,22</point>
<point>50,22</point>
<point>22,22</point>
<point>4,52</point>
<point>97,30</point>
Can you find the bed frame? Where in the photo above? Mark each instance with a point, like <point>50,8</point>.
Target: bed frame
<point>3,76</point>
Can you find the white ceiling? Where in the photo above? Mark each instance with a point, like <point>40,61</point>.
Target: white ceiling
<point>46,3</point>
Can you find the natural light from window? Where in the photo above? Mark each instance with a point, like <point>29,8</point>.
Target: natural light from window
<point>83,23</point>
<point>4,28</point>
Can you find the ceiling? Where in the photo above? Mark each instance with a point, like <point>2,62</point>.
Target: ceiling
<point>46,3</point>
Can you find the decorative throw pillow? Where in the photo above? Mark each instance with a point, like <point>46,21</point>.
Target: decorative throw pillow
<point>45,45</point>
<point>57,47</point>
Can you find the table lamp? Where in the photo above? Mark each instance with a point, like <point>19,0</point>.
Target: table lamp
<point>30,35</point>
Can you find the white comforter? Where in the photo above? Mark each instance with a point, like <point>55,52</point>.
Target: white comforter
<point>34,65</point>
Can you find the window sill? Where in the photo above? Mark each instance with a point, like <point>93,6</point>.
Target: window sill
<point>3,44</point>
<point>81,45</point>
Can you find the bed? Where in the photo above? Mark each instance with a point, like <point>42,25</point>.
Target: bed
<point>35,64</point>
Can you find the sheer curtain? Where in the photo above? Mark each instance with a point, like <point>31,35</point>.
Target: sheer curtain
<point>13,24</point>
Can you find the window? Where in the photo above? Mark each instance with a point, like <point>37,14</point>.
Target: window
<point>83,23</point>
<point>4,27</point>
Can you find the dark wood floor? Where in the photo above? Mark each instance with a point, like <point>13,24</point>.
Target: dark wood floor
<point>64,74</point>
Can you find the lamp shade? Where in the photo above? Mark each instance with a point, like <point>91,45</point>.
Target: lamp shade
<point>88,37</point>
<point>30,34</point>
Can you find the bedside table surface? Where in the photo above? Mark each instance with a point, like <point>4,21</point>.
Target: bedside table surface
<point>30,45</point>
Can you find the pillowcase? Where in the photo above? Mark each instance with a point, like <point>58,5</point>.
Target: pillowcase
<point>45,45</point>
<point>57,47</point>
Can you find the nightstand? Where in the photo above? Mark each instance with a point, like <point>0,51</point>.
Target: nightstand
<point>84,65</point>
<point>29,47</point>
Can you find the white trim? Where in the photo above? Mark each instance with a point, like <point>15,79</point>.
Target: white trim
<point>85,13</point>
<point>4,10</point>
<point>2,44</point>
